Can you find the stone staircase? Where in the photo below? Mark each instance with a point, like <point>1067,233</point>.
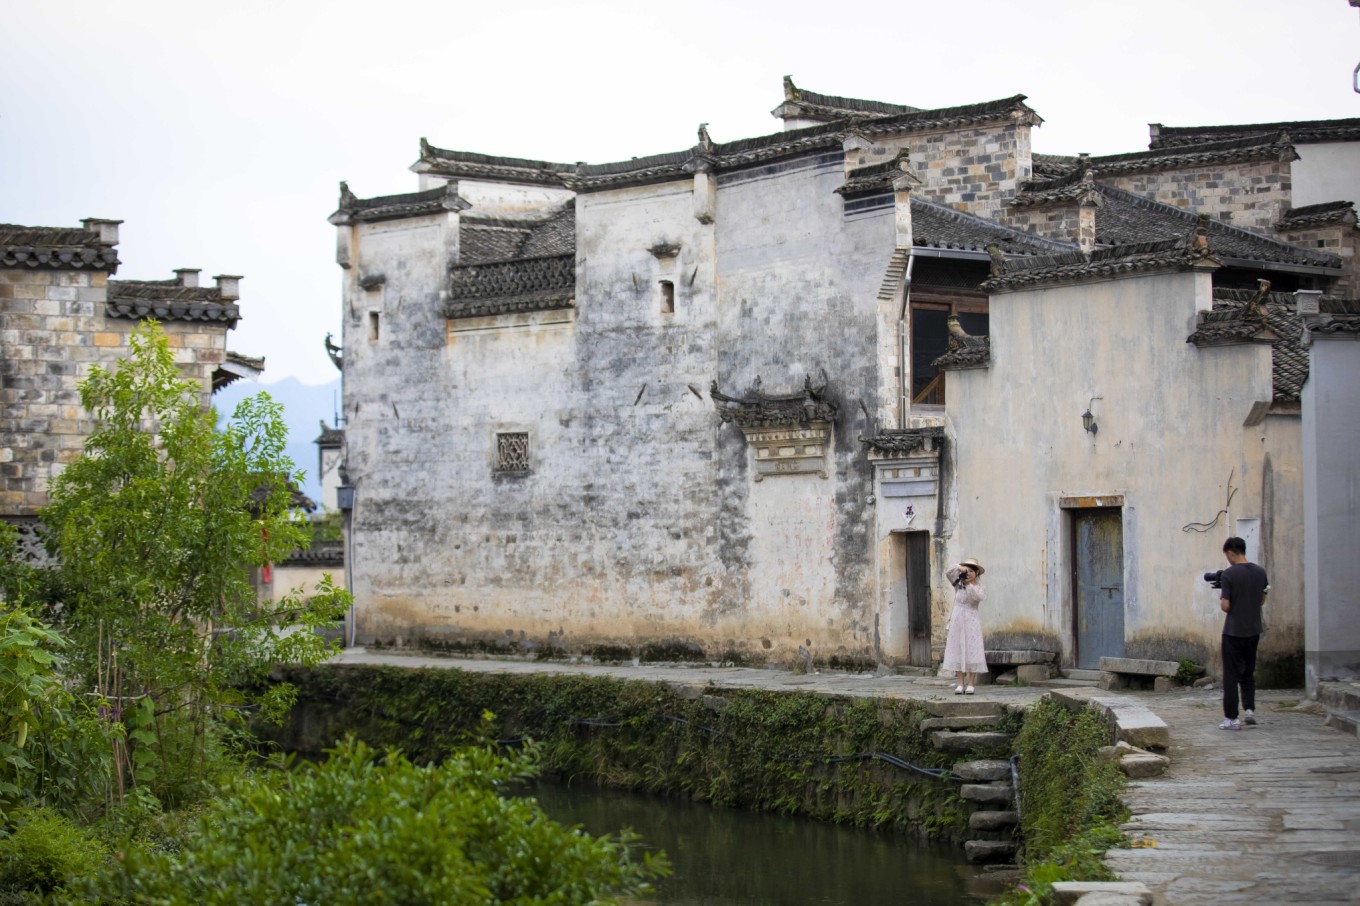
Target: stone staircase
<point>971,728</point>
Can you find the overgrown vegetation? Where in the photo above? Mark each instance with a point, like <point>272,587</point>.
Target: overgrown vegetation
<point>789,753</point>
<point>1069,796</point>
<point>122,712</point>
<point>365,827</point>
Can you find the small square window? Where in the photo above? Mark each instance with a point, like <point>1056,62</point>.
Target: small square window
<point>373,325</point>
<point>667,297</point>
<point>512,452</point>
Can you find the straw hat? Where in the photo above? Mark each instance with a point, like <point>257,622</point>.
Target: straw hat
<point>972,564</point>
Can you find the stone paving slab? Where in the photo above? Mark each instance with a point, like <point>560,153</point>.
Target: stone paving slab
<point>1268,815</point>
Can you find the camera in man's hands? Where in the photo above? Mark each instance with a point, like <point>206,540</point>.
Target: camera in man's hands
<point>1215,578</point>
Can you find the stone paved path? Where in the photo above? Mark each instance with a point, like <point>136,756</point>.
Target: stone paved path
<point>1268,815</point>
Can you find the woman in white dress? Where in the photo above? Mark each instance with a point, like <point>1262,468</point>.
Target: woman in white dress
<point>963,651</point>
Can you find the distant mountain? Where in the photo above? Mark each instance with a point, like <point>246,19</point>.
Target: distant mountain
<point>304,409</point>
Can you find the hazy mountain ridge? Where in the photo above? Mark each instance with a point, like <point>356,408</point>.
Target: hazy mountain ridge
<point>305,407</point>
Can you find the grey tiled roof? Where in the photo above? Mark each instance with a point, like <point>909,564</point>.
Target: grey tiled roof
<point>1057,172</point>
<point>249,361</point>
<point>718,156</point>
<point>483,240</point>
<point>55,247</point>
<point>168,300</point>
<point>1300,132</point>
<point>353,209</point>
<point>1235,319</point>
<point>321,553</point>
<point>904,441</point>
<point>800,101</point>
<point>1102,264</point>
<point>505,287</point>
<point>1124,218</point>
<point>1316,215</point>
<point>330,437</point>
<point>936,226</point>
<point>967,352</point>
<point>761,410</point>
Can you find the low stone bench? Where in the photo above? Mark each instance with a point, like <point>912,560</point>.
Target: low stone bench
<point>1031,665</point>
<point>1138,673</point>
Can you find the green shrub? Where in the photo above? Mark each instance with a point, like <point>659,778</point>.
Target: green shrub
<point>373,828</point>
<point>1069,796</point>
<point>44,853</point>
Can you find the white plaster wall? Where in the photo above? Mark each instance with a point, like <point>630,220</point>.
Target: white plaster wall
<point>1171,442</point>
<point>505,200</point>
<point>639,523</point>
<point>1331,418</point>
<point>1329,171</point>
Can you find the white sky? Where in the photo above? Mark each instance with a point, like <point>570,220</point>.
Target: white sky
<point>218,131</point>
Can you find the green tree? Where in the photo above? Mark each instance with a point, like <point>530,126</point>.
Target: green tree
<point>154,531</point>
<point>368,828</point>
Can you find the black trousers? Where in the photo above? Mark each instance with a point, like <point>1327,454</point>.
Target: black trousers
<point>1239,670</point>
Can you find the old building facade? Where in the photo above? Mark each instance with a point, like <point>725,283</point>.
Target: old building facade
<point>61,313</point>
<point>754,397</point>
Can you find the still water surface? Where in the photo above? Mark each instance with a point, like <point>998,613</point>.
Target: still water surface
<point>725,856</point>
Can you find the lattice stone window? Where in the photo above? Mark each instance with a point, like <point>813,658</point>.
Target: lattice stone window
<point>512,452</point>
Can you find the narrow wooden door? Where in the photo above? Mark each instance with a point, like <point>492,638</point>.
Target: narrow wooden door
<point>1098,577</point>
<point>918,597</point>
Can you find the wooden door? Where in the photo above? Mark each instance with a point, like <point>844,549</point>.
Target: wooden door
<point>1098,578</point>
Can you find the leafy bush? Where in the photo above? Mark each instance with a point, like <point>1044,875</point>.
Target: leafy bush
<point>1069,796</point>
<point>371,828</point>
<point>44,853</point>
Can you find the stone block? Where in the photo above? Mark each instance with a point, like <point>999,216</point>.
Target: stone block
<point>1143,764</point>
<point>987,792</point>
<point>988,850</point>
<point>1069,892</point>
<point>1163,684</point>
<point>1008,678</point>
<point>1113,681</point>
<point>984,769</point>
<point>962,743</point>
<point>1139,666</point>
<point>1033,673</point>
<point>985,820</point>
<point>958,723</point>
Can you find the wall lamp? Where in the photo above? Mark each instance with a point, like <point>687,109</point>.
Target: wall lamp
<point>1088,421</point>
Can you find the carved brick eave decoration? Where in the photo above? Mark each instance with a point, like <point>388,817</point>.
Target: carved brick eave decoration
<point>897,444</point>
<point>790,435</point>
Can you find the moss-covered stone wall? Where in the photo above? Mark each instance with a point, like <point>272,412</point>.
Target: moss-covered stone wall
<point>791,753</point>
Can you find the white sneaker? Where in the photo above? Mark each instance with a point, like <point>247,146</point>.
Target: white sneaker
<point>967,690</point>
<point>958,690</point>
<point>1249,717</point>
<point>1230,724</point>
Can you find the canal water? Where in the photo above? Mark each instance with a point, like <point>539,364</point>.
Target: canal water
<point>728,857</point>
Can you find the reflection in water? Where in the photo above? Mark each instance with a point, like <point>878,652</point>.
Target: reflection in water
<point>725,856</point>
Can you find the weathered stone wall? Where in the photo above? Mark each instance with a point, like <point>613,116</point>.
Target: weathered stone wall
<point>53,329</point>
<point>1251,195</point>
<point>639,525</point>
<point>1340,239</point>
<point>1053,221</point>
<point>974,170</point>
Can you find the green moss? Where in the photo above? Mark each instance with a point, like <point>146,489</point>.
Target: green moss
<point>785,752</point>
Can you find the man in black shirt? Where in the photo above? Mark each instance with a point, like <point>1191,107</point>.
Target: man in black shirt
<point>1244,585</point>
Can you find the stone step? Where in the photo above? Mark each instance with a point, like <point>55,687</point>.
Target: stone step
<point>1345,721</point>
<point>988,821</point>
<point>965,706</point>
<point>960,723</point>
<point>1080,674</point>
<point>987,792</point>
<point>989,851</point>
<point>1060,682</point>
<point>962,742</point>
<point>982,770</point>
<point>1339,696</point>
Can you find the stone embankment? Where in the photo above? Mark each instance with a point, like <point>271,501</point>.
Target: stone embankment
<point>1269,814</point>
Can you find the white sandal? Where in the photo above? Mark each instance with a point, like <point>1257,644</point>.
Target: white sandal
<point>958,690</point>
<point>967,690</point>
